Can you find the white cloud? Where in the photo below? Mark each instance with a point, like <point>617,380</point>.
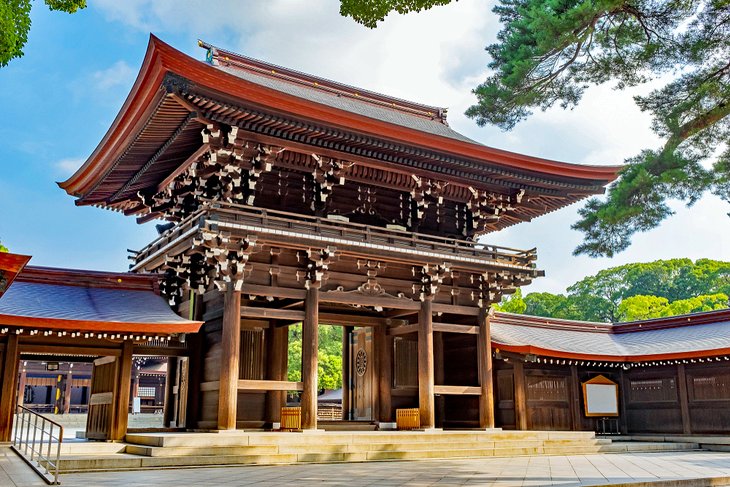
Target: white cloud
<point>119,74</point>
<point>437,57</point>
<point>68,166</point>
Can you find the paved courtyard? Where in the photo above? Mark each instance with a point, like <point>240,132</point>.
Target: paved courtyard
<point>571,470</point>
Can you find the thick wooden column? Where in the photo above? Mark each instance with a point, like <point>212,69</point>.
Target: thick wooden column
<point>520,396</point>
<point>346,368</point>
<point>230,356</point>
<point>576,417</point>
<point>121,396</point>
<point>484,355</point>
<point>384,349</point>
<point>310,346</point>
<point>277,340</point>
<point>425,365</point>
<point>8,389</point>
<point>439,377</point>
<point>683,399</point>
<point>169,408</point>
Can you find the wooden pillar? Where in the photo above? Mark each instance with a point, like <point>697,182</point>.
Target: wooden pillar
<point>425,365</point>
<point>346,371</point>
<point>484,356</point>
<point>169,408</point>
<point>576,420</point>
<point>384,348</point>
<point>8,390</point>
<point>310,346</point>
<point>68,385</point>
<point>520,396</point>
<point>277,339</point>
<point>622,391</point>
<point>230,356</point>
<point>195,374</point>
<point>21,386</point>
<point>683,399</point>
<point>439,378</point>
<point>120,405</point>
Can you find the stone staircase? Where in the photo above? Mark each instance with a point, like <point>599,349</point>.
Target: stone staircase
<point>156,450</point>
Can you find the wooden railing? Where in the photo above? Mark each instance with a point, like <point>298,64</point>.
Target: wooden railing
<point>335,230</point>
<point>35,441</point>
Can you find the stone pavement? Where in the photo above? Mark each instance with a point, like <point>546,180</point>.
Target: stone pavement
<point>573,470</point>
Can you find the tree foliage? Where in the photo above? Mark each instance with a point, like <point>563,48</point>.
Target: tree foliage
<point>370,12</point>
<point>633,292</point>
<point>329,355</point>
<point>3,248</point>
<point>15,24</point>
<point>549,51</point>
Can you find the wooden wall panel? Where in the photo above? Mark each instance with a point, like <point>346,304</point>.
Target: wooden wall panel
<point>548,400</point>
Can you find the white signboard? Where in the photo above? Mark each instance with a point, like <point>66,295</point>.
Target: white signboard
<point>136,405</point>
<point>600,397</point>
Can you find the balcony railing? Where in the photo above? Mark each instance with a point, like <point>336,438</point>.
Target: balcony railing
<point>337,231</point>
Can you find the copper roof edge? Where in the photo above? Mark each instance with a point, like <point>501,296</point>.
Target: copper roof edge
<point>88,278</point>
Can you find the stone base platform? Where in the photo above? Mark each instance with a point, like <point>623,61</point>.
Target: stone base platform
<point>160,450</point>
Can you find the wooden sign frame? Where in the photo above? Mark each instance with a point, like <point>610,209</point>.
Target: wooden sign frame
<point>602,381</point>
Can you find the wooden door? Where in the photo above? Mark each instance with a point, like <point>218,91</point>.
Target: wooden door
<point>361,355</point>
<point>103,386</point>
<point>181,392</point>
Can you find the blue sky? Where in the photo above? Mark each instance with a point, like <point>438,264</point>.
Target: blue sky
<point>60,98</point>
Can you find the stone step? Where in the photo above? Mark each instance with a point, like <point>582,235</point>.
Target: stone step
<point>255,455</point>
<point>366,437</point>
<point>357,447</point>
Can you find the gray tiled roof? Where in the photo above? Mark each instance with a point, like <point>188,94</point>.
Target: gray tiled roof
<point>349,104</point>
<point>682,339</point>
<point>79,303</point>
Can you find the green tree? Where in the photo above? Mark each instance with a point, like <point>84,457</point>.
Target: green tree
<point>550,51</point>
<point>512,304</point>
<point>329,356</point>
<point>552,305</point>
<point>642,308</point>
<point>3,248</point>
<point>15,24</point>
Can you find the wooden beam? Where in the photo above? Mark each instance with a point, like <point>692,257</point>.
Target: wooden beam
<point>230,356</point>
<point>449,328</point>
<point>458,390</point>
<point>484,356</point>
<point>403,330</point>
<point>274,291</point>
<point>341,297</point>
<point>70,349</point>
<point>683,399</point>
<point>520,399</point>
<point>269,385</point>
<point>310,346</point>
<point>425,365</point>
<point>10,363</point>
<point>455,310</point>
<point>118,428</point>
<point>576,419</point>
<point>270,313</point>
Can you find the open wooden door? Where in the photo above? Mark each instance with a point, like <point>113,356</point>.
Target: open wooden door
<point>104,376</point>
<point>361,355</point>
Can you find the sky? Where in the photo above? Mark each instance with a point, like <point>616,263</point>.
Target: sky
<point>61,97</point>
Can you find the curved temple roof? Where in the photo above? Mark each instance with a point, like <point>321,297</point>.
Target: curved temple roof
<point>685,336</point>
<point>158,127</point>
<point>60,299</point>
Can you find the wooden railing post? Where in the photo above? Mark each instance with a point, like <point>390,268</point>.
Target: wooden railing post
<point>230,356</point>
<point>425,364</point>
<point>310,346</point>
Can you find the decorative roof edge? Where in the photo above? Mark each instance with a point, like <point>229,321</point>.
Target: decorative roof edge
<point>84,278</point>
